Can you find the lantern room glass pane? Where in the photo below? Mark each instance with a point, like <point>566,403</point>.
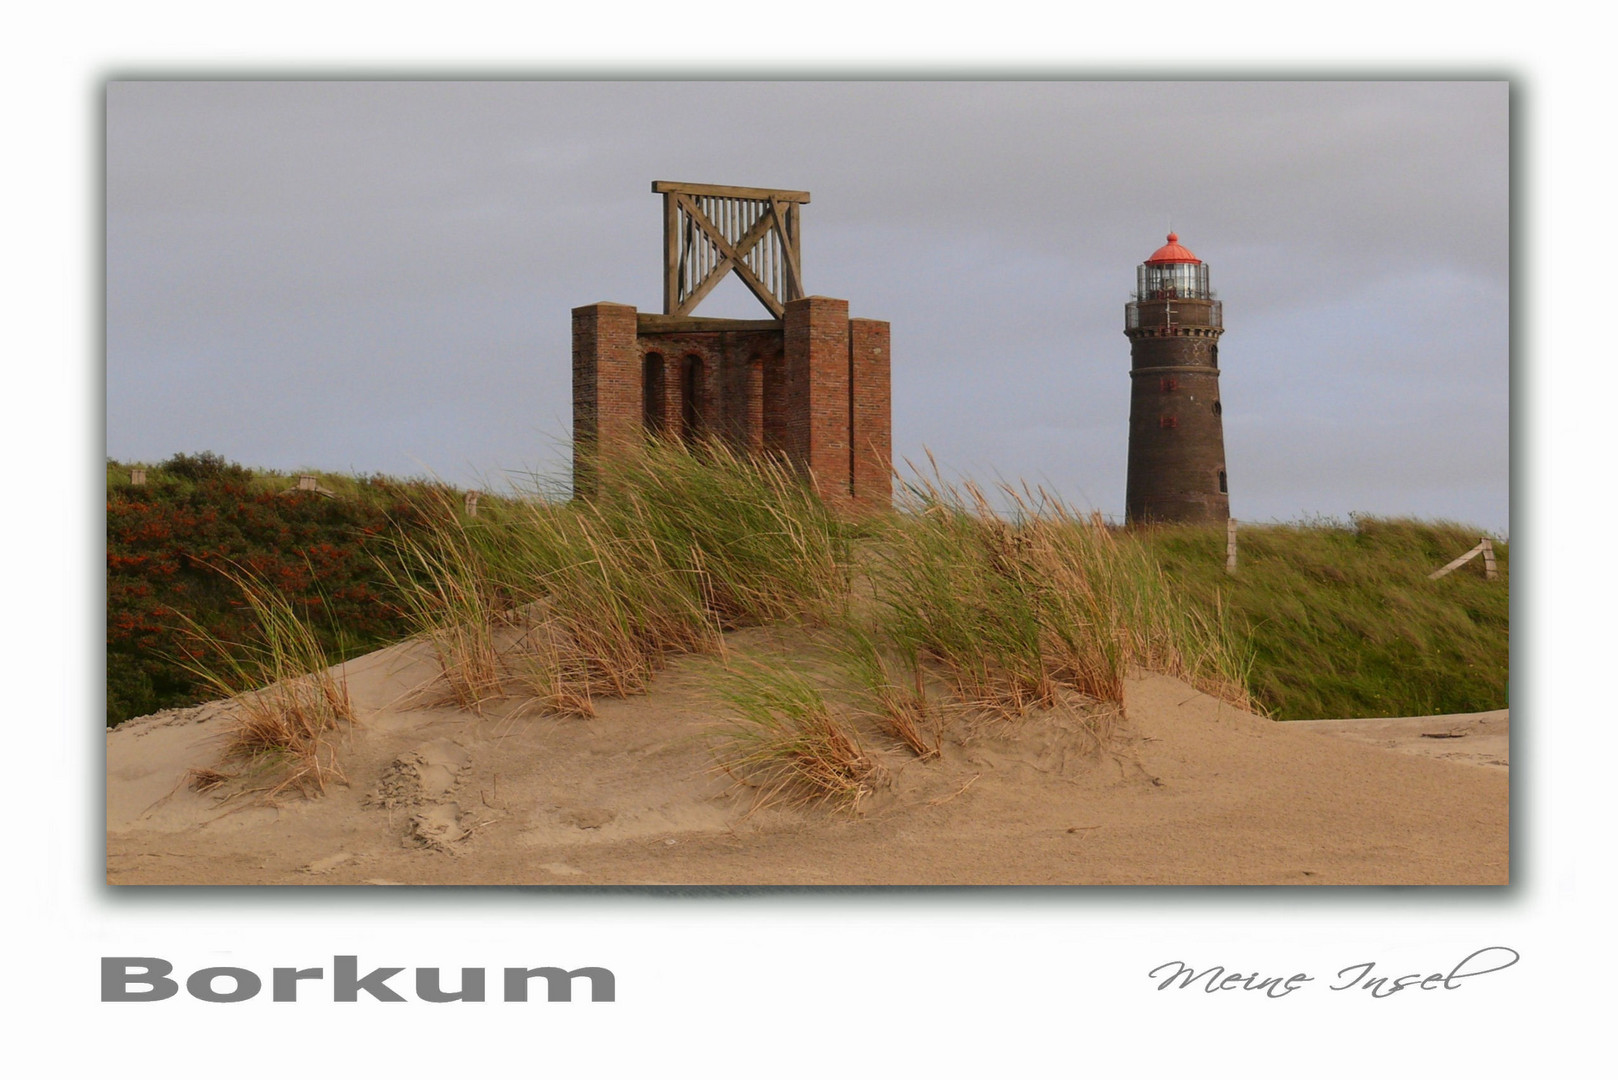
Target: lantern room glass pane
<point>1173,281</point>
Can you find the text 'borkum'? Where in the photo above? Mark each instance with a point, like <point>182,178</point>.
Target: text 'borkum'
<point>146,978</point>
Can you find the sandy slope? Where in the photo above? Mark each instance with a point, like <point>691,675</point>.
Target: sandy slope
<point>1186,791</point>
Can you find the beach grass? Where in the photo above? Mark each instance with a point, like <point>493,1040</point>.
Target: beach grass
<point>786,742</point>
<point>1015,605</point>
<point>959,599</point>
<point>288,704</point>
<point>592,596</point>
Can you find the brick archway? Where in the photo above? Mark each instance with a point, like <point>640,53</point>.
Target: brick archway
<point>693,397</point>
<point>654,393</point>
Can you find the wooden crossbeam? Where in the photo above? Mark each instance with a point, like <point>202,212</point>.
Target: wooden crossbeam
<point>665,187</point>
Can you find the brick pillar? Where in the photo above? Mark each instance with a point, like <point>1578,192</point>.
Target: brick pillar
<point>713,392</point>
<point>673,391</point>
<point>817,386</point>
<point>872,407</point>
<point>606,387</point>
<point>753,397</point>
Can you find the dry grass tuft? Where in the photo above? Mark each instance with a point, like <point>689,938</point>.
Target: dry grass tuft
<point>785,741</point>
<point>287,701</point>
<point>205,779</point>
<point>894,690</point>
<point>450,597</point>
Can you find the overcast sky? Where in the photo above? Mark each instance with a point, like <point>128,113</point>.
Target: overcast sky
<point>376,277</point>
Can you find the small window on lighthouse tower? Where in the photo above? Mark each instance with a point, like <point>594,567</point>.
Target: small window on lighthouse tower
<point>1223,490</point>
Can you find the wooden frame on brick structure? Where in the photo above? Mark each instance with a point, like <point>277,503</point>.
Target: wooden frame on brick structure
<point>710,230</point>
<point>811,386</point>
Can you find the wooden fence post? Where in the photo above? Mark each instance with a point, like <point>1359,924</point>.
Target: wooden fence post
<point>1485,548</point>
<point>1230,545</point>
<point>137,477</point>
<point>471,504</point>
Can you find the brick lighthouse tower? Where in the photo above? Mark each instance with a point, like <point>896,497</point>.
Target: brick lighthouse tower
<point>1176,433</point>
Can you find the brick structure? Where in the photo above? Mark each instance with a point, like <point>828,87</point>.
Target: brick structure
<point>810,385</point>
<point>1176,426</point>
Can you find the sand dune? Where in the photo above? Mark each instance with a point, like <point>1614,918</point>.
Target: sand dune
<point>1185,790</point>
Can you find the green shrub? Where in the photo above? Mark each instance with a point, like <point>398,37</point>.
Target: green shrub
<point>203,467</point>
<point>168,541</point>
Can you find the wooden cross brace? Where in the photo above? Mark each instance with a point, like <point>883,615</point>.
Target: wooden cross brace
<point>779,218</point>
<point>1485,548</point>
<point>732,257</point>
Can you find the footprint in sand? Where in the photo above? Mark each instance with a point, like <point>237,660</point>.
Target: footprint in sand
<point>425,774</point>
<point>437,826</point>
<point>329,863</point>
<point>422,780</point>
<point>587,817</point>
<point>561,869</point>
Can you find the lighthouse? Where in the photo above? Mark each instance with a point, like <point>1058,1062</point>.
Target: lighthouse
<point>1176,427</point>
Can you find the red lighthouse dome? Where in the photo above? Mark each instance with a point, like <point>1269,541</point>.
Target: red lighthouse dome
<point>1172,273</point>
<point>1171,252</point>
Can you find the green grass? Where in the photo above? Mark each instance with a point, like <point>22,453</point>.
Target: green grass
<point>1343,620</point>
